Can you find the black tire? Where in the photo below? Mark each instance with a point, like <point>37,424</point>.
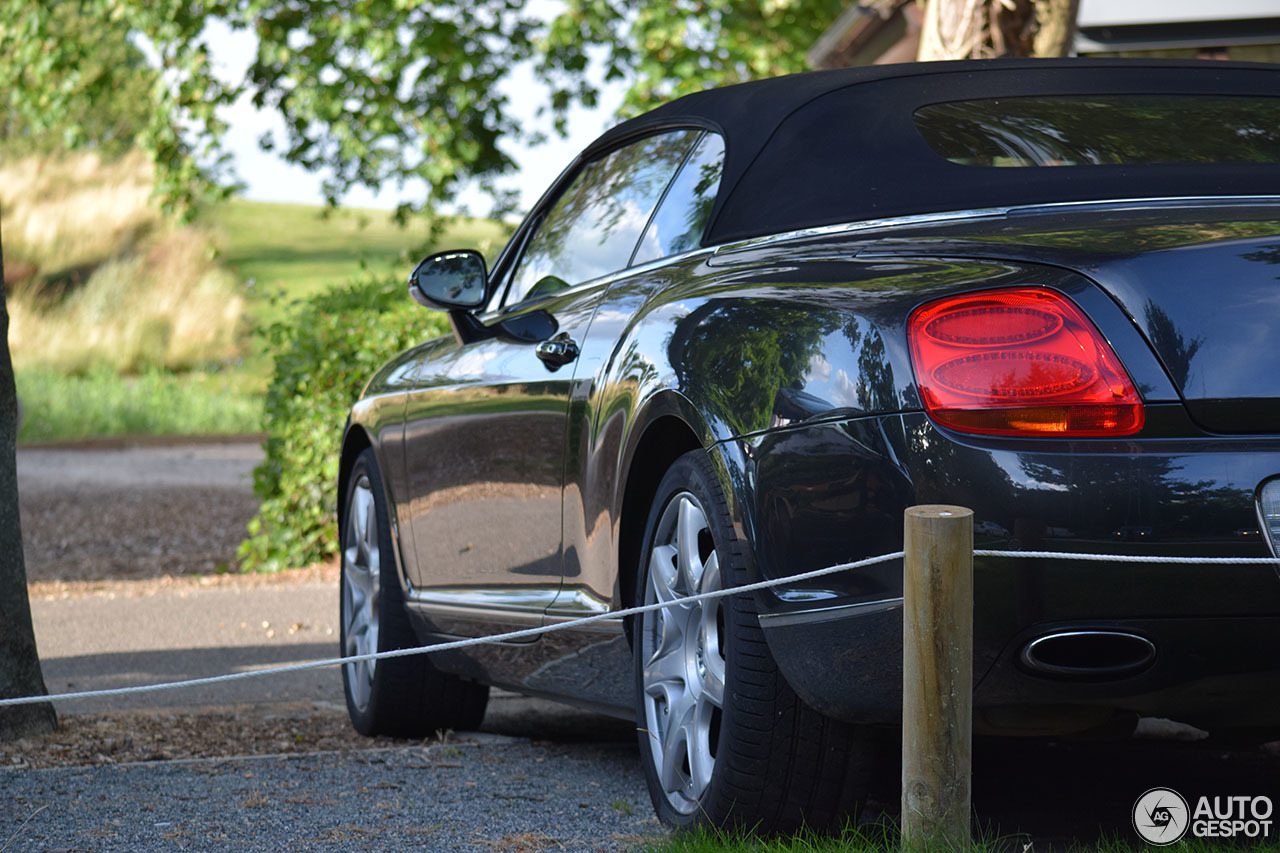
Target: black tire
<point>399,697</point>
<point>777,765</point>
<point>1248,737</point>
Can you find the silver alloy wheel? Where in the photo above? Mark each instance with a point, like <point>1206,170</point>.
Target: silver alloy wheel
<point>361,590</point>
<point>683,652</point>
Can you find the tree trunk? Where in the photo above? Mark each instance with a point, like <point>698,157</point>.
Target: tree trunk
<point>953,29</point>
<point>985,29</point>
<point>1057,32</point>
<point>19,664</point>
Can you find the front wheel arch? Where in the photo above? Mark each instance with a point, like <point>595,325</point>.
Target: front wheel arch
<point>401,696</point>
<point>354,442</point>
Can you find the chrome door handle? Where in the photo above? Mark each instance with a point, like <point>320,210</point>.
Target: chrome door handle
<point>558,351</point>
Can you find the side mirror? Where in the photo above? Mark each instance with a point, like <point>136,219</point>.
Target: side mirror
<point>451,281</point>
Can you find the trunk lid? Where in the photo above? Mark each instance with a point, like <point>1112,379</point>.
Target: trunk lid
<point>1199,278</point>
<point>1211,312</point>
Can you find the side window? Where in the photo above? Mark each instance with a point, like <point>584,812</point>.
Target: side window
<point>593,227</point>
<point>682,217</point>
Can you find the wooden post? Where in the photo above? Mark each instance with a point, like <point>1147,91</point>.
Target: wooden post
<point>937,676</point>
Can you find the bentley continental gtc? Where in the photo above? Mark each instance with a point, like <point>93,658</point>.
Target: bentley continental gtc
<point>741,333</point>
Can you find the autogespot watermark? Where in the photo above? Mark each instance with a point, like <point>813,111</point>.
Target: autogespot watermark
<point>1162,816</point>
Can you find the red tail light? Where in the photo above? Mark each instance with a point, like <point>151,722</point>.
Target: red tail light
<point>1021,361</point>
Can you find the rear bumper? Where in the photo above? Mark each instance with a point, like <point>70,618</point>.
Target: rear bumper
<point>1215,673</point>
<point>1215,629</point>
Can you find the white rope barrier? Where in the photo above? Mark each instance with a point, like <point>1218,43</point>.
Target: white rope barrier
<point>614,614</point>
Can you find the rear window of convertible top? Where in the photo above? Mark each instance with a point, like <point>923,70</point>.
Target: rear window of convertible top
<point>1104,130</point>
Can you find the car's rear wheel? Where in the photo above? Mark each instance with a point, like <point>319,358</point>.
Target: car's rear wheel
<point>723,739</point>
<point>401,697</point>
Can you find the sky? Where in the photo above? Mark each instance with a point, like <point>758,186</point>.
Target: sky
<point>269,178</point>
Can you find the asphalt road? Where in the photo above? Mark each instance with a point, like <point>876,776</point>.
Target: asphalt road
<point>76,470</point>
<point>117,639</point>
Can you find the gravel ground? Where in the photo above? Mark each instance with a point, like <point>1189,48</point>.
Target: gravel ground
<point>481,792</point>
<point>84,740</point>
<point>134,512</point>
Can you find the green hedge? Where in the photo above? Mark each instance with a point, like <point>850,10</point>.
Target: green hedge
<point>324,351</point>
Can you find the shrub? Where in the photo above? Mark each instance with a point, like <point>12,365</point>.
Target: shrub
<point>325,350</point>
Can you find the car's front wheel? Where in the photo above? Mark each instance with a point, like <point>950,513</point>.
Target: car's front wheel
<point>404,696</point>
<point>723,739</point>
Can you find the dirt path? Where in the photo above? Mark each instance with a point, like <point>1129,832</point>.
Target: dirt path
<point>130,633</point>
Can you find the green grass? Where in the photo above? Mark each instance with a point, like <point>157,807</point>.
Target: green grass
<point>296,250</point>
<point>707,841</point>
<point>885,840</point>
<point>102,403</point>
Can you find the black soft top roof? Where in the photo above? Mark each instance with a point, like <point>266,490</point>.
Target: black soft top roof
<point>841,146</point>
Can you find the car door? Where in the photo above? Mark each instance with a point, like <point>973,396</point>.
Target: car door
<point>486,421</point>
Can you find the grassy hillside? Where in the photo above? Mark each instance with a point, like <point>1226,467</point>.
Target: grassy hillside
<point>286,252</point>
<point>97,278</point>
<point>298,249</point>
<point>124,323</point>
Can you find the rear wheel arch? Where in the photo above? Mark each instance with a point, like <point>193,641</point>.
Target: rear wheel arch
<point>662,442</point>
<point>724,741</point>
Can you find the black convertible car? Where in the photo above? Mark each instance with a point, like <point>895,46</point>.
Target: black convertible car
<point>741,333</point>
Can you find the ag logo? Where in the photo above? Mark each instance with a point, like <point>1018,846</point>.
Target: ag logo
<point>1160,816</point>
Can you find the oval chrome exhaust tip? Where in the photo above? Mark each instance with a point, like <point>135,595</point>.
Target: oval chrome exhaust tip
<point>1089,654</point>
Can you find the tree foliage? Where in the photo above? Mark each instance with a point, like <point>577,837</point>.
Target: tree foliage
<point>374,92</point>
<point>380,92</point>
<point>670,49</point>
<point>106,121</point>
<point>61,61</point>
